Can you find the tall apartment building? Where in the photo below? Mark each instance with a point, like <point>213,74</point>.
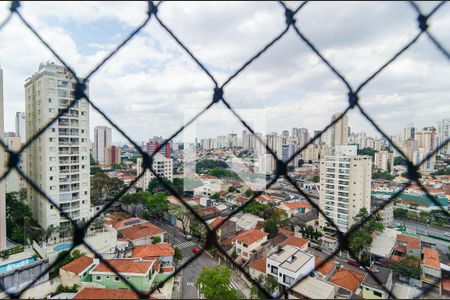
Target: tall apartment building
<point>345,186</point>
<point>155,143</point>
<point>112,155</point>
<point>338,133</point>
<point>14,182</point>
<point>444,134</point>
<point>102,140</point>
<point>20,126</point>
<point>58,160</point>
<point>426,138</point>
<point>162,166</point>
<point>2,171</point>
<point>384,161</point>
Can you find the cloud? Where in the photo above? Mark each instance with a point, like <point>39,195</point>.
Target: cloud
<point>148,84</point>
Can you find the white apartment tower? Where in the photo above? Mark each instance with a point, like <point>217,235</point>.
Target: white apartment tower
<point>2,171</point>
<point>337,134</point>
<point>58,160</point>
<point>162,166</point>
<point>344,188</point>
<point>444,134</point>
<point>102,140</point>
<point>20,126</point>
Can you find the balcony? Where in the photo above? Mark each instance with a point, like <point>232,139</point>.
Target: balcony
<point>64,161</point>
<point>64,171</point>
<point>62,122</point>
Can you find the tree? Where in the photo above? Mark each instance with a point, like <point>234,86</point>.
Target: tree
<point>367,151</point>
<point>255,207</point>
<point>291,168</point>
<point>271,228</point>
<point>216,196</point>
<point>160,185</point>
<point>134,199</point>
<point>315,178</point>
<point>232,189</point>
<point>16,213</point>
<point>269,283</point>
<point>156,240</point>
<point>182,214</point>
<point>248,193</point>
<point>408,265</point>
<point>157,204</point>
<point>214,283</point>
<point>96,170</point>
<point>400,213</point>
<point>178,256</point>
<point>383,175</point>
<point>399,160</point>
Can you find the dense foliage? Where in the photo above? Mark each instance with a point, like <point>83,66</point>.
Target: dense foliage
<point>215,283</point>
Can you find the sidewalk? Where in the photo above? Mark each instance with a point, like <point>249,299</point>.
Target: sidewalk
<point>239,283</point>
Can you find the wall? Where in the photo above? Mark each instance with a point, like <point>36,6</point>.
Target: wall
<point>20,277</point>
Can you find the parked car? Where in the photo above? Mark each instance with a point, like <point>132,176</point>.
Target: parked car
<point>353,263</point>
<point>188,237</point>
<point>196,250</point>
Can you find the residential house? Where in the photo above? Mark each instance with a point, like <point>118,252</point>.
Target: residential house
<point>295,208</point>
<point>431,268</point>
<point>289,264</point>
<point>313,288</point>
<point>370,287</point>
<point>208,213</point>
<point>383,244</point>
<point>257,267</point>
<point>324,271</point>
<point>407,245</point>
<point>247,243</point>
<point>137,272</point>
<point>76,271</point>
<point>100,293</point>
<point>298,242</point>
<point>266,199</point>
<point>347,279</point>
<point>121,224</point>
<point>245,221</point>
<point>162,253</point>
<point>225,230</point>
<point>142,233</point>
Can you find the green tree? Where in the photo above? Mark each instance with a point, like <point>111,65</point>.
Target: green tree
<point>271,228</point>
<point>134,199</point>
<point>16,213</point>
<point>290,168</point>
<point>182,214</point>
<point>204,165</point>
<point>156,186</point>
<point>232,189</point>
<point>255,207</point>
<point>248,193</point>
<point>216,196</point>
<point>400,213</point>
<point>156,240</point>
<point>367,151</point>
<point>96,170</point>
<point>269,283</point>
<point>408,265</point>
<point>399,160</point>
<point>178,256</point>
<point>382,175</point>
<point>214,283</point>
<point>315,178</point>
<point>157,204</point>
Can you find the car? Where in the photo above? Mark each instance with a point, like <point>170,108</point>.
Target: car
<point>353,263</point>
<point>447,233</point>
<point>196,250</point>
<point>188,237</point>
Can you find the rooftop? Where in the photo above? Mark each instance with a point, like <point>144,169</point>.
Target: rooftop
<point>349,280</point>
<point>294,241</point>
<point>297,205</point>
<point>153,250</point>
<point>384,242</point>
<point>326,268</point>
<point>124,265</point>
<point>78,265</point>
<point>127,222</point>
<point>100,293</point>
<point>259,264</point>
<point>431,258</point>
<point>140,231</point>
<point>251,236</point>
<point>291,258</point>
<point>314,288</point>
<point>410,242</point>
<point>381,273</point>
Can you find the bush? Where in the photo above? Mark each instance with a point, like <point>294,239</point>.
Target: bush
<point>156,240</point>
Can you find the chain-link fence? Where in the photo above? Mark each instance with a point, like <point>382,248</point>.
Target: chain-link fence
<point>219,95</point>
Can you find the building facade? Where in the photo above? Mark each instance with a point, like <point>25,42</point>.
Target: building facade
<point>345,186</point>
<point>161,165</point>
<point>58,160</point>
<point>444,134</point>
<point>112,155</point>
<point>14,182</point>
<point>20,126</point>
<point>384,161</point>
<point>2,170</point>
<point>102,141</point>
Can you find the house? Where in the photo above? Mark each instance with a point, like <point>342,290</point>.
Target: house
<point>247,242</point>
<point>121,224</point>
<point>289,264</point>
<point>407,245</point>
<point>431,268</point>
<point>383,243</point>
<point>313,288</point>
<point>347,279</point>
<point>209,188</point>
<point>76,271</point>
<point>298,242</point>
<point>404,291</point>
<point>295,208</point>
<point>266,199</point>
<point>142,233</point>
<point>208,212</point>
<point>100,293</point>
<point>325,270</point>
<point>162,253</point>
<point>225,230</point>
<point>245,221</point>
<point>137,272</point>
<point>257,267</point>
<point>370,287</point>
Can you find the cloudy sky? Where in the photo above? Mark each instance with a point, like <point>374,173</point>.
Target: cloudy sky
<point>148,86</point>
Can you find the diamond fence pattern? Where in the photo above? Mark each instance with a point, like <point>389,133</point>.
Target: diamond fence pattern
<point>218,95</point>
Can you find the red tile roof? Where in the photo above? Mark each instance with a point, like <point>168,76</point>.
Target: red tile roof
<point>122,223</point>
<point>294,241</point>
<point>259,264</point>
<point>251,236</point>
<point>99,293</point>
<point>140,231</point>
<point>78,265</point>
<point>297,205</point>
<point>153,251</point>
<point>347,279</point>
<point>326,268</point>
<point>431,258</point>
<point>286,231</point>
<point>168,269</point>
<point>216,222</point>
<point>411,242</point>
<point>265,198</point>
<point>124,266</point>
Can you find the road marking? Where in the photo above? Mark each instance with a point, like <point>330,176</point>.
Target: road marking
<point>185,245</point>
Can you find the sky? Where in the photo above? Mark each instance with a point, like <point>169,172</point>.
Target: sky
<point>148,86</point>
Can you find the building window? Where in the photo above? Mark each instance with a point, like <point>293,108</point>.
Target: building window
<point>116,278</point>
<point>378,294</point>
<point>288,280</point>
<point>98,278</point>
<point>274,270</point>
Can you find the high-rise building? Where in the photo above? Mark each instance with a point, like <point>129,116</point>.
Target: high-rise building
<point>409,132</point>
<point>162,166</point>
<point>20,126</point>
<point>2,171</point>
<point>384,161</point>
<point>58,160</point>
<point>14,182</point>
<point>443,135</point>
<point>338,133</point>
<point>112,156</point>
<point>426,138</point>
<point>345,186</point>
<point>155,143</point>
<point>102,140</point>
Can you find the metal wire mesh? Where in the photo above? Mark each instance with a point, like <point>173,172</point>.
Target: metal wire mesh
<point>218,96</point>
